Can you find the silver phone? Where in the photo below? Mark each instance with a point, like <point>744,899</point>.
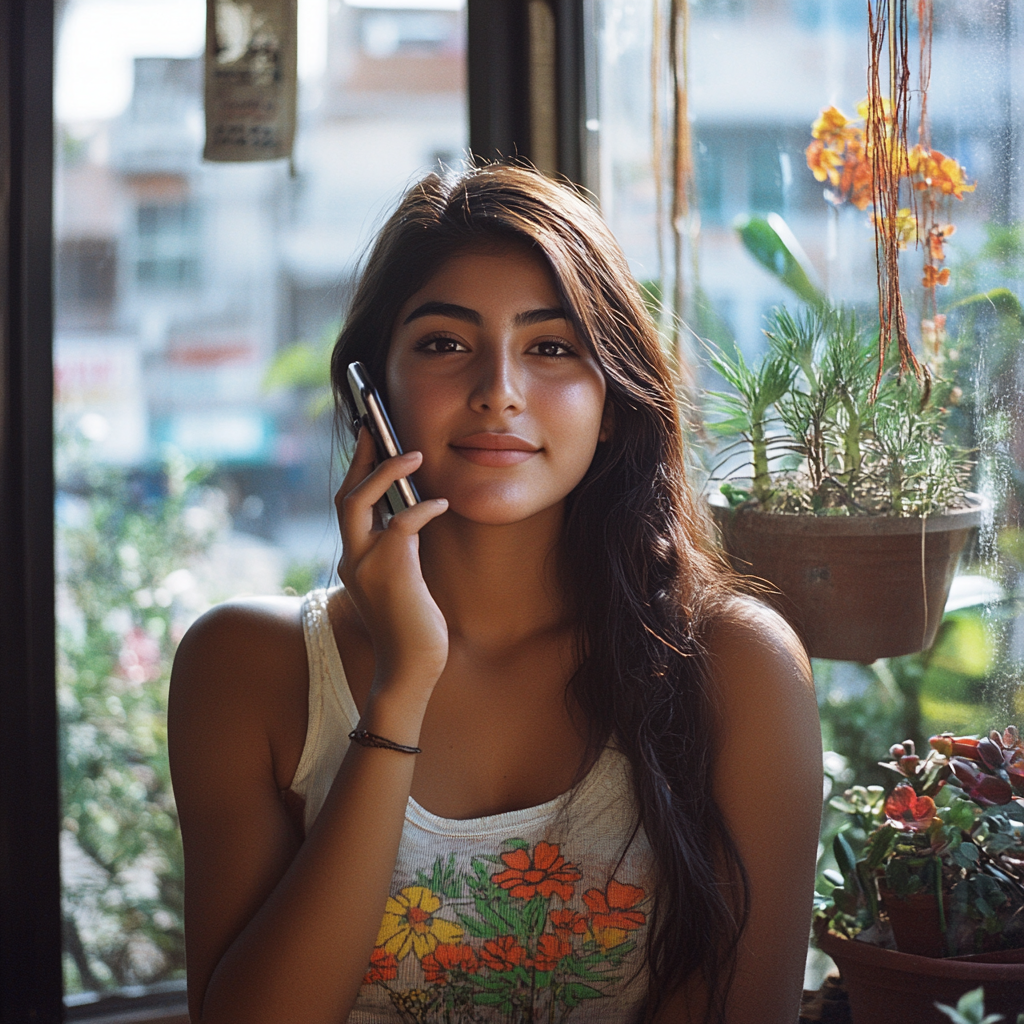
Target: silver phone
<point>372,415</point>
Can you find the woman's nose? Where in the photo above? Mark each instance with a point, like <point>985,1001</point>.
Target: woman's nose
<point>498,387</point>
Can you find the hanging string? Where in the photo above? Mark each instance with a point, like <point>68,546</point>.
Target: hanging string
<point>657,136</point>
<point>888,23</point>
<point>683,191</point>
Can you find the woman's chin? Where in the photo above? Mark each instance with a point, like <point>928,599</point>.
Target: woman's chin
<point>505,507</point>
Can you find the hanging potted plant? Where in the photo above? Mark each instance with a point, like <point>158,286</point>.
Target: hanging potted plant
<point>928,902</point>
<point>853,505</point>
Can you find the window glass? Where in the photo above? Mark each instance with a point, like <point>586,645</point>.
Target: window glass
<point>761,71</point>
<point>196,304</point>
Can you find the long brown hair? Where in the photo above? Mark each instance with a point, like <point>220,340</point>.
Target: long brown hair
<point>641,569</point>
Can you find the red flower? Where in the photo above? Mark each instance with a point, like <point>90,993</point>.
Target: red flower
<point>383,967</point>
<point>567,922</point>
<point>906,810</point>
<point>546,872</point>
<point>446,958</point>
<point>550,950</point>
<point>612,915</point>
<point>502,953</point>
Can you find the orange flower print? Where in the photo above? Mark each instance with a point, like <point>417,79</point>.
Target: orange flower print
<point>447,958</point>
<point>545,872</point>
<point>383,967</point>
<point>550,951</point>
<point>567,922</point>
<point>612,915</point>
<point>502,953</point>
<point>934,276</point>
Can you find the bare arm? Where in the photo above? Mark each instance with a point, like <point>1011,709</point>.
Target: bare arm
<point>768,783</point>
<point>279,931</point>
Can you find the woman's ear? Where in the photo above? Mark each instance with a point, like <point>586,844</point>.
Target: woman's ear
<point>607,422</point>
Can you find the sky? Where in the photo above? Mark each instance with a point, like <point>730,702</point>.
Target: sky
<point>99,39</point>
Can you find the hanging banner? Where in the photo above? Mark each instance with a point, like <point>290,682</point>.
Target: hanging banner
<point>250,79</point>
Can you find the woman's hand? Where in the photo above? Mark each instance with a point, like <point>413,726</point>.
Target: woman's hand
<point>380,567</point>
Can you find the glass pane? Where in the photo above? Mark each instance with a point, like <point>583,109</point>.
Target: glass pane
<point>196,304</point>
<point>761,71</point>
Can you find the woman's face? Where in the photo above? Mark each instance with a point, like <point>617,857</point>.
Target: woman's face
<point>487,378</point>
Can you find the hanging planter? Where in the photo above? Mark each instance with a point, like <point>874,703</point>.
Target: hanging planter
<point>856,588</point>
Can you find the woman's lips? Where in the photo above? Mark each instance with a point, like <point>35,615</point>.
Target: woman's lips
<point>495,449</point>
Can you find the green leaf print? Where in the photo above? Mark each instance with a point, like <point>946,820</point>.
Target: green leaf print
<point>574,993</point>
<point>444,878</point>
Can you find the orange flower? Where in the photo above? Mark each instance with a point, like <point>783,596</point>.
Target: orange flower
<point>904,809</point>
<point>550,950</point>
<point>545,872</point>
<point>934,170</point>
<point>932,276</point>
<point>829,124</point>
<point>383,967</point>
<point>612,915</point>
<point>937,236</point>
<point>567,922</point>
<point>823,161</point>
<point>502,953</point>
<point>446,958</point>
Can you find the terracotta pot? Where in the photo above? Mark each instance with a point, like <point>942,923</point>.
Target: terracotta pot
<point>886,986</point>
<point>915,922</point>
<point>854,587</point>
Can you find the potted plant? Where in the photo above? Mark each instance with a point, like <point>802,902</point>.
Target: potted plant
<point>852,505</point>
<point>928,901</point>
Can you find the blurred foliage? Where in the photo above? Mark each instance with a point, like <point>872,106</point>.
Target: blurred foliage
<point>306,367</point>
<point>126,542</point>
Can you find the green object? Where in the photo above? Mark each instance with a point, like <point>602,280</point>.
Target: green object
<point>970,1009</point>
<point>771,242</point>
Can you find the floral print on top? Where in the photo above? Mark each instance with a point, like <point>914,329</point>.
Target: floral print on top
<point>510,939</point>
<point>533,915</point>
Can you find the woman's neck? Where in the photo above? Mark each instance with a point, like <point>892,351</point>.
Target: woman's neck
<point>496,585</point>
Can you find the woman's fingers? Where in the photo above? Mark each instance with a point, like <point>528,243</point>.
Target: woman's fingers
<point>356,507</point>
<point>412,520</point>
<point>361,466</point>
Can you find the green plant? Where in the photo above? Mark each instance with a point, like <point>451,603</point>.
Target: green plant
<point>949,827</point>
<point>970,1009</point>
<point>817,441</point>
<point>127,546</point>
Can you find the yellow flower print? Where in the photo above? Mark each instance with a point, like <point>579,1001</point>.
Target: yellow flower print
<point>409,924</point>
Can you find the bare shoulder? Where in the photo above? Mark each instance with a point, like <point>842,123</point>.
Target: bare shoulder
<point>241,674</point>
<point>247,630</point>
<point>756,655</point>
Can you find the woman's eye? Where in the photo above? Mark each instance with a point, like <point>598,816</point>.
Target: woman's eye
<point>441,345</point>
<point>553,349</point>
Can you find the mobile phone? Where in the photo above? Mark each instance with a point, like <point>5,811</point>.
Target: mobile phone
<point>372,415</point>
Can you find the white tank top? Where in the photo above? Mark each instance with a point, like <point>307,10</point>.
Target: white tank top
<point>538,915</point>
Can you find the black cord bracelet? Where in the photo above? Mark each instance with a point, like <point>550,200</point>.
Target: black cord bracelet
<point>371,739</point>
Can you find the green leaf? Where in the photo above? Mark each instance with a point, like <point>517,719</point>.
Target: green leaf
<point>574,993</point>
<point>771,242</point>
<point>1002,300</point>
<point>844,856</point>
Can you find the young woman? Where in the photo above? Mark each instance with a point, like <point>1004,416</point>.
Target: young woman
<point>537,759</point>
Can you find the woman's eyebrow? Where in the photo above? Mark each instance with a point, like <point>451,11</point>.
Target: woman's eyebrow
<point>471,316</point>
<point>538,316</point>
